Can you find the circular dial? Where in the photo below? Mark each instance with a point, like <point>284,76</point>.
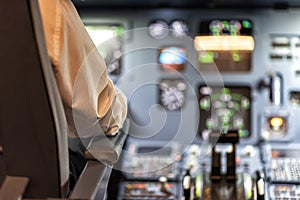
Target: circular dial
<point>179,28</point>
<point>172,95</point>
<point>158,29</point>
<point>172,98</point>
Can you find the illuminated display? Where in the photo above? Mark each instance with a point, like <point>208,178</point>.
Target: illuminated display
<point>172,58</point>
<point>228,44</point>
<point>108,41</point>
<point>224,43</point>
<point>224,109</point>
<point>172,94</point>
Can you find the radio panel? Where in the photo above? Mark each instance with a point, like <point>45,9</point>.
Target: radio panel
<point>151,163</point>
<point>225,108</point>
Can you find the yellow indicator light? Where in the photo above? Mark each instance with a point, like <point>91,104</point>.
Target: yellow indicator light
<point>224,43</point>
<point>276,121</point>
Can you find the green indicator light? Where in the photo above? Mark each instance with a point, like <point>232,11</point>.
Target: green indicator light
<point>237,107</point>
<point>216,31</point>
<point>225,120</point>
<point>226,91</point>
<point>236,57</point>
<point>225,24</point>
<point>209,124</point>
<point>206,57</point>
<point>246,24</point>
<point>243,133</point>
<point>119,30</point>
<point>198,186</point>
<point>204,105</point>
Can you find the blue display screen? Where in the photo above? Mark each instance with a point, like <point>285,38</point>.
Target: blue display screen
<point>172,58</point>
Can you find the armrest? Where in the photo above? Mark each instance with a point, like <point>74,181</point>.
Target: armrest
<point>107,149</point>
<point>93,182</point>
<point>13,187</point>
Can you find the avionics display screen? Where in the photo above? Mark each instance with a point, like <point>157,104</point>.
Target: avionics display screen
<point>172,58</point>
<point>108,41</point>
<point>226,44</point>
<point>223,109</point>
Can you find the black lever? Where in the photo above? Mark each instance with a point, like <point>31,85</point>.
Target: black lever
<point>260,185</point>
<point>231,137</point>
<point>186,185</point>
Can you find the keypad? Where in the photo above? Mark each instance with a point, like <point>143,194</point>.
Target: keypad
<point>285,170</point>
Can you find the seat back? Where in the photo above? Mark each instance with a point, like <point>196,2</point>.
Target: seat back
<point>33,130</point>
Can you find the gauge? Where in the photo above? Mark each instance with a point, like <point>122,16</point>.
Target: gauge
<point>159,29</point>
<point>172,98</point>
<point>172,94</point>
<point>179,28</point>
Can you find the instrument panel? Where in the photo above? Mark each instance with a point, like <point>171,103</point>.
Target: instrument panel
<point>189,74</point>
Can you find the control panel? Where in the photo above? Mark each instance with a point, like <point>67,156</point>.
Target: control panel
<point>213,101</point>
<point>149,190</point>
<point>282,170</point>
<point>151,162</point>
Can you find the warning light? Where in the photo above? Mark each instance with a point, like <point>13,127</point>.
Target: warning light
<point>276,121</point>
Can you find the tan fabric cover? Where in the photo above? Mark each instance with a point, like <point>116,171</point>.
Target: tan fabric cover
<point>80,72</point>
